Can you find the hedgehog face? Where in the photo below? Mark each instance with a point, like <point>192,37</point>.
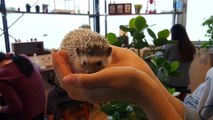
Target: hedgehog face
<point>91,63</point>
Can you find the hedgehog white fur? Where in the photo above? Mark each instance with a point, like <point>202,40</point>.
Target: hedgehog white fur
<point>87,50</point>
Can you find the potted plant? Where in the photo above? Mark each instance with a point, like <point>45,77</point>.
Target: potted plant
<point>123,110</point>
<point>209,33</point>
<point>137,8</point>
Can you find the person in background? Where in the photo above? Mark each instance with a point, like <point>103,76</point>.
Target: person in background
<point>124,79</point>
<point>184,52</point>
<point>22,88</point>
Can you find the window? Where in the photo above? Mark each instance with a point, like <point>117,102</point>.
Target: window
<point>196,13</point>
<point>52,28</point>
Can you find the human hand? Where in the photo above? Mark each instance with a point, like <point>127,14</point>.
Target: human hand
<point>126,77</point>
<point>120,57</point>
<point>112,83</point>
<point>126,57</point>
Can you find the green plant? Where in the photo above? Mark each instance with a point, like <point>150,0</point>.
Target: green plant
<point>209,32</point>
<point>137,27</point>
<point>138,6</point>
<point>122,110</point>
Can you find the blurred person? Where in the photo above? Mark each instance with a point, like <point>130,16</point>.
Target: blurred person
<point>184,52</point>
<point>22,88</point>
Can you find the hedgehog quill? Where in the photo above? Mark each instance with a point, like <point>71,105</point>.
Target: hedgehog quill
<point>88,51</point>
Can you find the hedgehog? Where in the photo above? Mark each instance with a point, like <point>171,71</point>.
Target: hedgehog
<point>88,51</point>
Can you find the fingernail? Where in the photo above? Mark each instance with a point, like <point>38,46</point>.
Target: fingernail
<point>69,79</point>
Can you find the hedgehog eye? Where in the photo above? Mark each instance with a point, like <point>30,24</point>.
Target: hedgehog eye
<point>99,63</point>
<point>84,63</point>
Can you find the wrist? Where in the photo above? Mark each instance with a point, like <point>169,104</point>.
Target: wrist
<point>145,88</point>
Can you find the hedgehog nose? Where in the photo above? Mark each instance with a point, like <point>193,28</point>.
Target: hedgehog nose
<point>89,72</point>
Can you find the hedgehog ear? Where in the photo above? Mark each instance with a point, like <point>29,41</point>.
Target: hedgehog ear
<point>79,52</point>
<point>108,51</point>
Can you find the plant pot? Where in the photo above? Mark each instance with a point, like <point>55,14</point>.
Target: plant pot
<point>137,8</point>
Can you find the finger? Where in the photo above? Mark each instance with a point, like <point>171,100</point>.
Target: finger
<point>60,66</point>
<point>104,86</point>
<point>63,54</point>
<point>97,95</point>
<point>103,79</point>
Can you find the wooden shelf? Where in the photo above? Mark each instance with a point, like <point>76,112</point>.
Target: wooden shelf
<point>133,14</point>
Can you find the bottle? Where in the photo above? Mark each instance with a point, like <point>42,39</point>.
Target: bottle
<point>37,8</point>
<point>28,7</point>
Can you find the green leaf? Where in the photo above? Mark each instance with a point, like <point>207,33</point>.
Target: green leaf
<point>116,116</point>
<point>140,23</point>
<point>131,23</point>
<point>160,41</point>
<point>124,28</point>
<point>160,61</point>
<point>140,44</point>
<point>172,42</point>
<point>167,66</point>
<point>171,90</point>
<point>154,59</point>
<point>153,66</point>
<point>111,37</point>
<point>132,31</point>
<point>107,108</point>
<point>174,65</point>
<point>165,72</point>
<point>174,73</point>
<point>163,33</point>
<point>138,35</point>
<point>118,43</point>
<point>151,33</point>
